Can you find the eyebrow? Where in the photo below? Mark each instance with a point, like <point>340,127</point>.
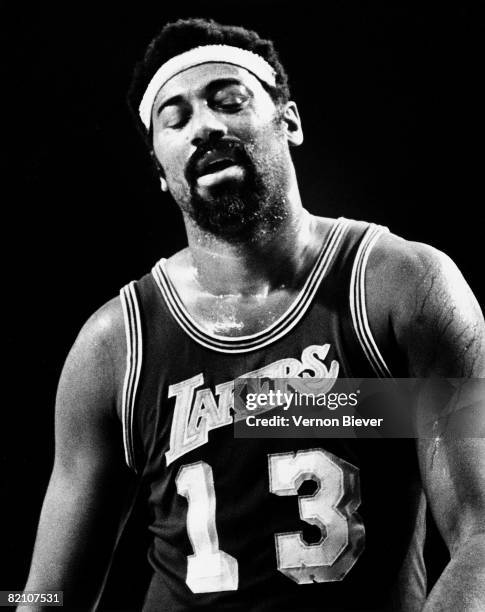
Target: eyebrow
<point>208,89</point>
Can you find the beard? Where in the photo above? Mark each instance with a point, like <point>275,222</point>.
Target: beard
<point>240,210</point>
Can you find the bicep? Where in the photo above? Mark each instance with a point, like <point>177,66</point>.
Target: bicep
<point>87,436</point>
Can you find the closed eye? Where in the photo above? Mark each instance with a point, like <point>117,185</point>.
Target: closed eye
<point>173,116</point>
<point>233,105</point>
<point>231,98</point>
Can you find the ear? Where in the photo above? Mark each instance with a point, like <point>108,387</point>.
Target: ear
<point>291,119</point>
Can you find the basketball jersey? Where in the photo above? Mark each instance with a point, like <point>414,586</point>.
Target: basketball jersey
<point>268,524</point>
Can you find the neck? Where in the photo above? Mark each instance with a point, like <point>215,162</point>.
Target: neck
<point>271,259</point>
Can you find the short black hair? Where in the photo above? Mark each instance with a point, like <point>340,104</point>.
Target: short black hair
<point>184,34</point>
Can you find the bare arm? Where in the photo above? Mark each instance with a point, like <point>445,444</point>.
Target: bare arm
<point>90,491</point>
<point>439,325</point>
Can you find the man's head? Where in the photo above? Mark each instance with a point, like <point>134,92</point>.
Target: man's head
<point>213,104</point>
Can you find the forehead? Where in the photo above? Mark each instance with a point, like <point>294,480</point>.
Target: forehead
<point>196,79</point>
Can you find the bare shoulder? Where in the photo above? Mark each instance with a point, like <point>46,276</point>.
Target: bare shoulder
<point>434,315</point>
<point>105,327</point>
<point>98,357</point>
<point>414,279</point>
<point>400,271</point>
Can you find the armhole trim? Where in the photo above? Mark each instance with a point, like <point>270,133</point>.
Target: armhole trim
<point>134,354</point>
<point>358,306</point>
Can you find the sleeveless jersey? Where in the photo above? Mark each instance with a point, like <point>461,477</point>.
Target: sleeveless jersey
<point>268,524</point>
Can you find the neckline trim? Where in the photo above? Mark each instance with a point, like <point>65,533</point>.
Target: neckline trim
<point>277,329</point>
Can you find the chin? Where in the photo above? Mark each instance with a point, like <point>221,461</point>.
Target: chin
<point>236,209</point>
<point>225,217</point>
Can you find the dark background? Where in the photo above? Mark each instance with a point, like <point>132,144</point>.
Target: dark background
<point>389,98</point>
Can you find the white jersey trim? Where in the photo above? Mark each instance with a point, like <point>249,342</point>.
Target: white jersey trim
<point>358,306</point>
<point>134,355</point>
<point>278,329</point>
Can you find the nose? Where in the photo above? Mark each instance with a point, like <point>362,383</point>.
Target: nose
<point>206,125</point>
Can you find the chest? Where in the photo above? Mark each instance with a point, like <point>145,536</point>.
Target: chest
<point>236,315</point>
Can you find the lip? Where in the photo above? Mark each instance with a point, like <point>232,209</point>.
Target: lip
<point>215,160</point>
<point>234,172</point>
<point>214,165</point>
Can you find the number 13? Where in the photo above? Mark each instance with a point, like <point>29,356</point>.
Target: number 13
<point>332,508</point>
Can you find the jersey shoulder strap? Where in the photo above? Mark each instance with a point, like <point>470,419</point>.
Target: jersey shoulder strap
<point>134,359</point>
<point>347,282</point>
<point>357,301</point>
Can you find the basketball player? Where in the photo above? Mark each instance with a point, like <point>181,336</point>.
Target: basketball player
<point>263,289</point>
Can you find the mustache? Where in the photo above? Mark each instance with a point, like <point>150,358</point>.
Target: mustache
<point>230,146</point>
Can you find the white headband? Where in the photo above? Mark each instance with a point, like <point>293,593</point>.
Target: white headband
<point>225,54</point>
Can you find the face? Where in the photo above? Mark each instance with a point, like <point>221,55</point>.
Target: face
<point>223,147</point>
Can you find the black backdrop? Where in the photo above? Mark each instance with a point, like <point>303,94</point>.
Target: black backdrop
<point>389,97</point>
